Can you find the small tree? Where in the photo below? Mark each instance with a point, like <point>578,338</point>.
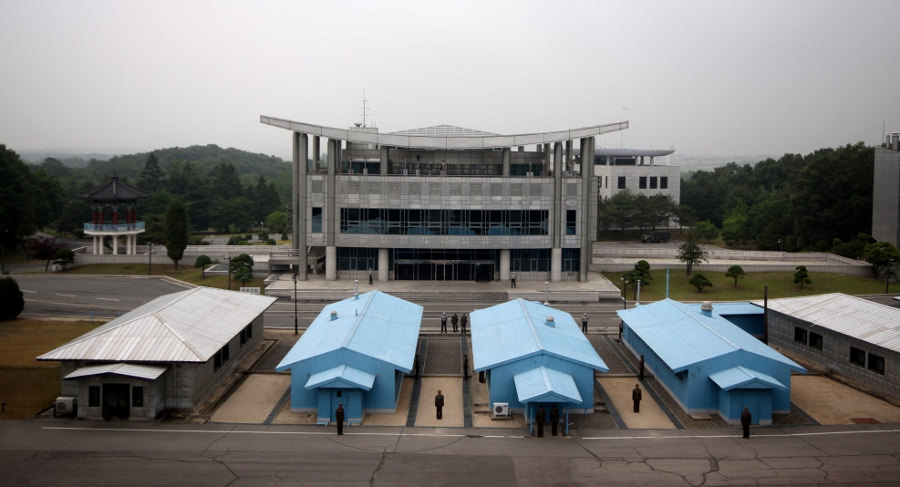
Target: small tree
<point>880,255</point>
<point>64,257</point>
<point>735,272</point>
<point>243,274</point>
<point>801,276</point>
<point>706,231</point>
<point>201,263</point>
<point>12,301</point>
<point>177,231</point>
<point>700,281</point>
<point>44,248</point>
<point>691,253</point>
<point>242,268</point>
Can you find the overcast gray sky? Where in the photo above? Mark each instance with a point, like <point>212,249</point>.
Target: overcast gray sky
<point>704,77</point>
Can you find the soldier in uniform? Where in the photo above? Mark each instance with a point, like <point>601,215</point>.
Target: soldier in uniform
<point>339,418</point>
<point>439,404</point>
<point>636,397</point>
<point>554,419</point>
<point>539,419</point>
<point>746,419</point>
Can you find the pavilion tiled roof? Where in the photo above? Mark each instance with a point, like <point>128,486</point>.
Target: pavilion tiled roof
<point>114,190</point>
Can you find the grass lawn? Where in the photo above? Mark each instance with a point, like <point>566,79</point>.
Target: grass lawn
<point>26,385</point>
<point>780,285</point>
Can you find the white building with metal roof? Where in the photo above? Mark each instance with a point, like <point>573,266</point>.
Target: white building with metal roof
<point>854,338</point>
<point>166,354</point>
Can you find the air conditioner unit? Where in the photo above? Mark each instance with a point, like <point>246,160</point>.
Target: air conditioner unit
<point>65,406</point>
<point>500,409</point>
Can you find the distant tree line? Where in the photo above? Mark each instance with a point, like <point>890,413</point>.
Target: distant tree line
<point>220,189</point>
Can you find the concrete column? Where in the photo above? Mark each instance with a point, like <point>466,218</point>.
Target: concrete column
<point>295,191</point>
<point>556,264</point>
<point>587,203</point>
<point>507,155</point>
<point>316,153</point>
<point>384,271</point>
<point>385,157</point>
<point>115,245</point>
<point>569,153</point>
<point>504,264</point>
<point>556,212</point>
<point>302,215</point>
<point>547,155</point>
<point>331,263</point>
<point>330,218</point>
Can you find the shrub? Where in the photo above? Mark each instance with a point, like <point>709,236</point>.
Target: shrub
<point>202,261</point>
<point>64,257</point>
<point>12,300</point>
<point>271,241</point>
<point>236,240</point>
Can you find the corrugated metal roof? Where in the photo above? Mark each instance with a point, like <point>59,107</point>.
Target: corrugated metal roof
<point>516,329</point>
<point>859,318</point>
<point>344,376</point>
<point>543,384</point>
<point>682,336</point>
<point>444,130</point>
<point>742,377</point>
<point>374,324</point>
<point>188,326</point>
<point>148,372</point>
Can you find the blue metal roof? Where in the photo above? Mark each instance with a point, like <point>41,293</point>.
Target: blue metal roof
<point>517,329</point>
<point>543,384</point>
<point>744,378</point>
<point>341,377</point>
<point>682,335</point>
<point>374,324</point>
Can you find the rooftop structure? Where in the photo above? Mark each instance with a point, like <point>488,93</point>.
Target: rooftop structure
<point>110,198</point>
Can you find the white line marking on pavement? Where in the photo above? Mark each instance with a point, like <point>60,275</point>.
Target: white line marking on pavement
<point>436,435</point>
<point>26,291</point>
<point>66,295</point>
<point>108,299</point>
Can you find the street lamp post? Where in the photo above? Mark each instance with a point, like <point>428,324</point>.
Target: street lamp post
<point>150,259</point>
<point>637,299</point>
<point>780,245</point>
<point>296,325</point>
<point>624,293</point>
<point>887,275</point>
<point>229,271</point>
<point>546,293</point>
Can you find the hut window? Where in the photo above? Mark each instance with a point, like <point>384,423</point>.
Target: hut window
<point>94,396</point>
<point>799,335</point>
<point>876,363</point>
<point>815,341</point>
<point>857,357</point>
<point>137,397</point>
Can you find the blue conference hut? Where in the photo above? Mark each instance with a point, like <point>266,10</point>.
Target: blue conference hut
<point>356,352</point>
<point>534,355</point>
<point>708,364</point>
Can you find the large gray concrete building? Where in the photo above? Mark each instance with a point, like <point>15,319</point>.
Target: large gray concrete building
<point>448,203</point>
<point>886,191</point>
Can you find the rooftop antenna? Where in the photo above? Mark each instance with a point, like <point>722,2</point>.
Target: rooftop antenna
<point>365,109</point>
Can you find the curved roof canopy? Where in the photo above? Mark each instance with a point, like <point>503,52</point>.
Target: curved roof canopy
<point>442,139</point>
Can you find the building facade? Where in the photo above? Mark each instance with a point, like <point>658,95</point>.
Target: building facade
<point>708,364</point>
<point>533,355</point>
<point>445,203</point>
<point>168,354</point>
<point>886,191</point>
<point>355,353</point>
<point>853,338</point>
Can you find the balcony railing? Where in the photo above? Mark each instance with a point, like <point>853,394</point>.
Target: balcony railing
<point>113,227</point>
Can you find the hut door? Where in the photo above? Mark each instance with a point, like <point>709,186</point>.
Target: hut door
<point>116,403</point>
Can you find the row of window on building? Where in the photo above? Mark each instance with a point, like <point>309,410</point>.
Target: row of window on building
<point>644,182</point>
<point>858,356</point>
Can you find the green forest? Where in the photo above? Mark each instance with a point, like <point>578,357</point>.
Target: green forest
<point>821,201</point>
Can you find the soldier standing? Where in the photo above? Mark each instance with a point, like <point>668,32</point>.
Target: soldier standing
<point>455,321</point>
<point>746,418</point>
<point>584,322</point>
<point>512,279</point>
<point>636,397</point>
<point>444,322</point>
<point>439,404</point>
<point>339,418</point>
<point>554,419</point>
<point>464,322</point>
<point>539,419</point>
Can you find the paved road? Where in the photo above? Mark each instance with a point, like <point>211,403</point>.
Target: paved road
<point>90,296</point>
<point>62,452</point>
